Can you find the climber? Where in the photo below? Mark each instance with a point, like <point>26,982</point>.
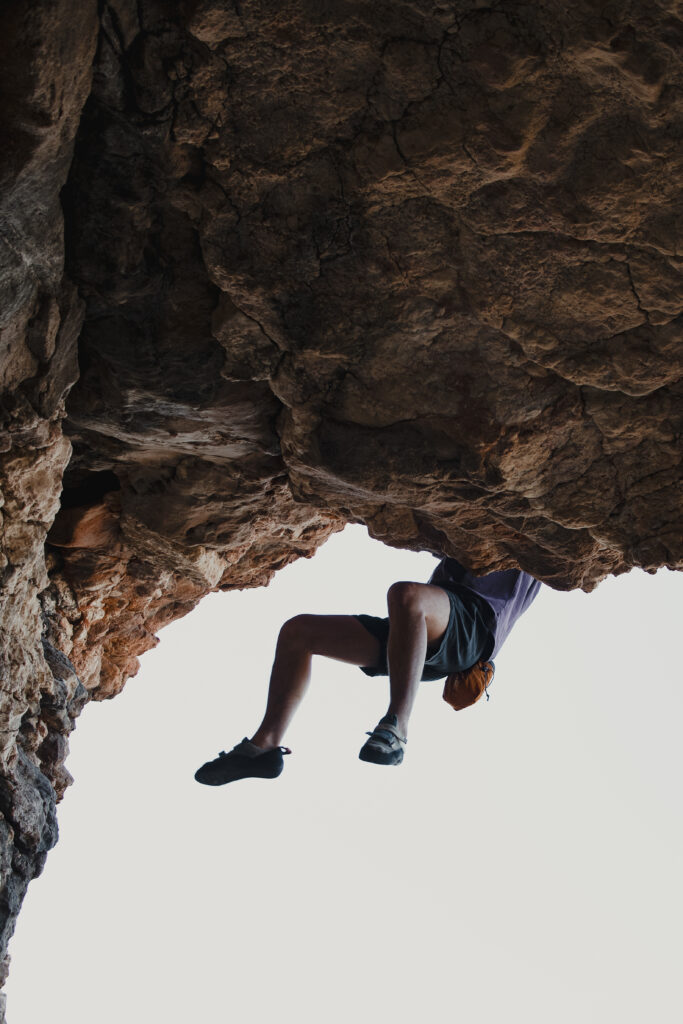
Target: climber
<point>433,629</point>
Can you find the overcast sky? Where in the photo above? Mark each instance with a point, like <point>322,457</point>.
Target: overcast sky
<point>522,865</point>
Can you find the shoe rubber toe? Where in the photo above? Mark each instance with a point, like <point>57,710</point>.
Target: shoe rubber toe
<point>375,755</point>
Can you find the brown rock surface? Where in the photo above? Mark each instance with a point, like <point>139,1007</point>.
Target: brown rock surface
<point>407,264</point>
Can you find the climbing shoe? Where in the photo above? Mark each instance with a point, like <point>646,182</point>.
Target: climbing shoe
<point>385,745</point>
<point>245,761</point>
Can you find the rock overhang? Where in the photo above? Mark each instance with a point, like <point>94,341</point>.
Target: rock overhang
<point>410,265</point>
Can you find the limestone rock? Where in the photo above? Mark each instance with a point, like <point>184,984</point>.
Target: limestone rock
<point>269,268</point>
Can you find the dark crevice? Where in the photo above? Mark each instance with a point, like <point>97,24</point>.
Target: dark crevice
<point>83,489</point>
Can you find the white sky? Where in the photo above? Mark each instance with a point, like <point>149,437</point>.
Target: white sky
<point>522,865</point>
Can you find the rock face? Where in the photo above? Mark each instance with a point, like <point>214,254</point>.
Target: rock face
<point>268,268</point>
<point>47,51</point>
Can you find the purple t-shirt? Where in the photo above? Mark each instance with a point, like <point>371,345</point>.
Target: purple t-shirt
<point>508,593</point>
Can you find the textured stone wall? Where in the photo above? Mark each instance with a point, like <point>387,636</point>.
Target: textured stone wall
<point>47,53</point>
<point>267,268</point>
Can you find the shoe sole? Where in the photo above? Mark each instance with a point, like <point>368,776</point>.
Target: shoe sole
<point>377,757</point>
<point>238,772</point>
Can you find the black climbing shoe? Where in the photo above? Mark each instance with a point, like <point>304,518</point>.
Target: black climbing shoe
<point>385,745</point>
<point>245,761</point>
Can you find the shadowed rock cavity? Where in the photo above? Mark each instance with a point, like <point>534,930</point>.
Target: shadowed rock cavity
<point>268,268</point>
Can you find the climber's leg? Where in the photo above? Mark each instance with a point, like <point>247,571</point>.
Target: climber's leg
<point>418,618</point>
<point>341,637</point>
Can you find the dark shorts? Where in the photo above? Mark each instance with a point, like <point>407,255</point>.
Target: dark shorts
<point>467,639</point>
